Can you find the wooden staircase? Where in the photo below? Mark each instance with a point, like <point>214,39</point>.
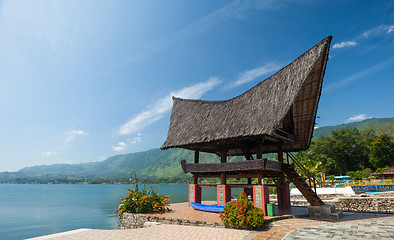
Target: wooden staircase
<point>304,188</point>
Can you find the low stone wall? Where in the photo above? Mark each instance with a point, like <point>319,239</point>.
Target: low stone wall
<point>366,204</point>
<point>132,220</point>
<point>379,202</point>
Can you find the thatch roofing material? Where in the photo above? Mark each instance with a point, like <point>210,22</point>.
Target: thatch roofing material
<point>290,96</point>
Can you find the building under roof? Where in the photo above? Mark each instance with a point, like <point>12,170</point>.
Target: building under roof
<point>279,111</point>
<point>277,115</point>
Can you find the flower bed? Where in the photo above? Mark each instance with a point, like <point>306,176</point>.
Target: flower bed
<point>142,201</point>
<point>242,214</point>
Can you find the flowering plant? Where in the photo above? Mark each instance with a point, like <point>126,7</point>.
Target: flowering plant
<point>242,214</point>
<point>142,201</point>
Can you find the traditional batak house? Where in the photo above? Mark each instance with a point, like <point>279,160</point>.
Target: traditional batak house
<point>276,116</point>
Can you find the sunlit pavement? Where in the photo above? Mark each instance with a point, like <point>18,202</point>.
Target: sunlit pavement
<point>351,226</point>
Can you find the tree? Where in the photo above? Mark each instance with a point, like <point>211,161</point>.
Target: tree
<point>381,151</point>
<point>348,150</point>
<point>345,150</point>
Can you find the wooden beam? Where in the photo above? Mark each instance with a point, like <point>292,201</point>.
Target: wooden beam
<point>230,185</point>
<point>241,167</point>
<point>237,175</point>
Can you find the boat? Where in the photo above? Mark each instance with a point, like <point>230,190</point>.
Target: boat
<point>206,207</point>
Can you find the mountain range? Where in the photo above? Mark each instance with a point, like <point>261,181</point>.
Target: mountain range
<point>153,164</point>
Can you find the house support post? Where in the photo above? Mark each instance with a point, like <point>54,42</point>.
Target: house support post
<point>282,189</point>
<point>283,195</point>
<point>223,159</point>
<point>261,197</point>
<point>196,160</point>
<point>194,193</point>
<point>223,194</point>
<point>223,191</point>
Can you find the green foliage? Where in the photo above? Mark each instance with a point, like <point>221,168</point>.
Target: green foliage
<point>381,151</point>
<point>349,150</point>
<point>142,201</point>
<point>360,174</point>
<point>381,170</point>
<point>242,214</point>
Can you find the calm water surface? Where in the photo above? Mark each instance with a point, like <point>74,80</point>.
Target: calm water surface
<point>29,210</point>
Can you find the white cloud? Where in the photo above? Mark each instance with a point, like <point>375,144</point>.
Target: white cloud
<point>345,44</point>
<point>373,32</point>
<point>72,134</point>
<point>251,75</point>
<point>359,75</point>
<point>391,29</point>
<point>135,140</point>
<point>379,30</point>
<point>121,146</point>
<point>357,118</point>
<point>49,154</point>
<point>157,110</point>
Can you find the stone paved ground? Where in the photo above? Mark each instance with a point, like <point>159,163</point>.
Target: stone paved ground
<point>163,231</point>
<point>352,224</point>
<point>379,230</point>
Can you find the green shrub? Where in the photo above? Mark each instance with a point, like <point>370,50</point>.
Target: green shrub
<point>242,214</point>
<point>142,201</point>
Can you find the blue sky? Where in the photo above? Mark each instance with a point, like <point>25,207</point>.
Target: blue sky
<point>81,81</point>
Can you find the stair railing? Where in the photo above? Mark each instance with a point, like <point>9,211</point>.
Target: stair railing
<point>311,178</point>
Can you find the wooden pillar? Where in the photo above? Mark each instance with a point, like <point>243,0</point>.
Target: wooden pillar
<point>261,197</point>
<point>194,193</point>
<point>283,196</point>
<point>260,178</point>
<point>280,159</point>
<point>248,157</point>
<point>223,159</point>
<point>259,152</point>
<point>223,194</point>
<point>196,157</point>
<point>195,178</point>
<point>223,156</point>
<point>282,189</point>
<point>196,160</point>
<point>259,155</point>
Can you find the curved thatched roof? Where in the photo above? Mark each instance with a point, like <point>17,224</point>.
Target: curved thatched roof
<point>279,111</point>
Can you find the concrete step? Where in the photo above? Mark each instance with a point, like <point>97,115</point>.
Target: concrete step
<point>337,215</point>
<point>327,212</point>
<point>151,224</point>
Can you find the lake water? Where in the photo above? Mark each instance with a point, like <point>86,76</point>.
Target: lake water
<point>29,210</point>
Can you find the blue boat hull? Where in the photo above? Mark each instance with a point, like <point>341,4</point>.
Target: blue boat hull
<point>207,208</point>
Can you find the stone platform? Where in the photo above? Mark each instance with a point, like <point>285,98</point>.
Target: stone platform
<point>182,214</point>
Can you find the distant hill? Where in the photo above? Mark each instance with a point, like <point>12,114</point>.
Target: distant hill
<point>325,131</point>
<point>152,164</point>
